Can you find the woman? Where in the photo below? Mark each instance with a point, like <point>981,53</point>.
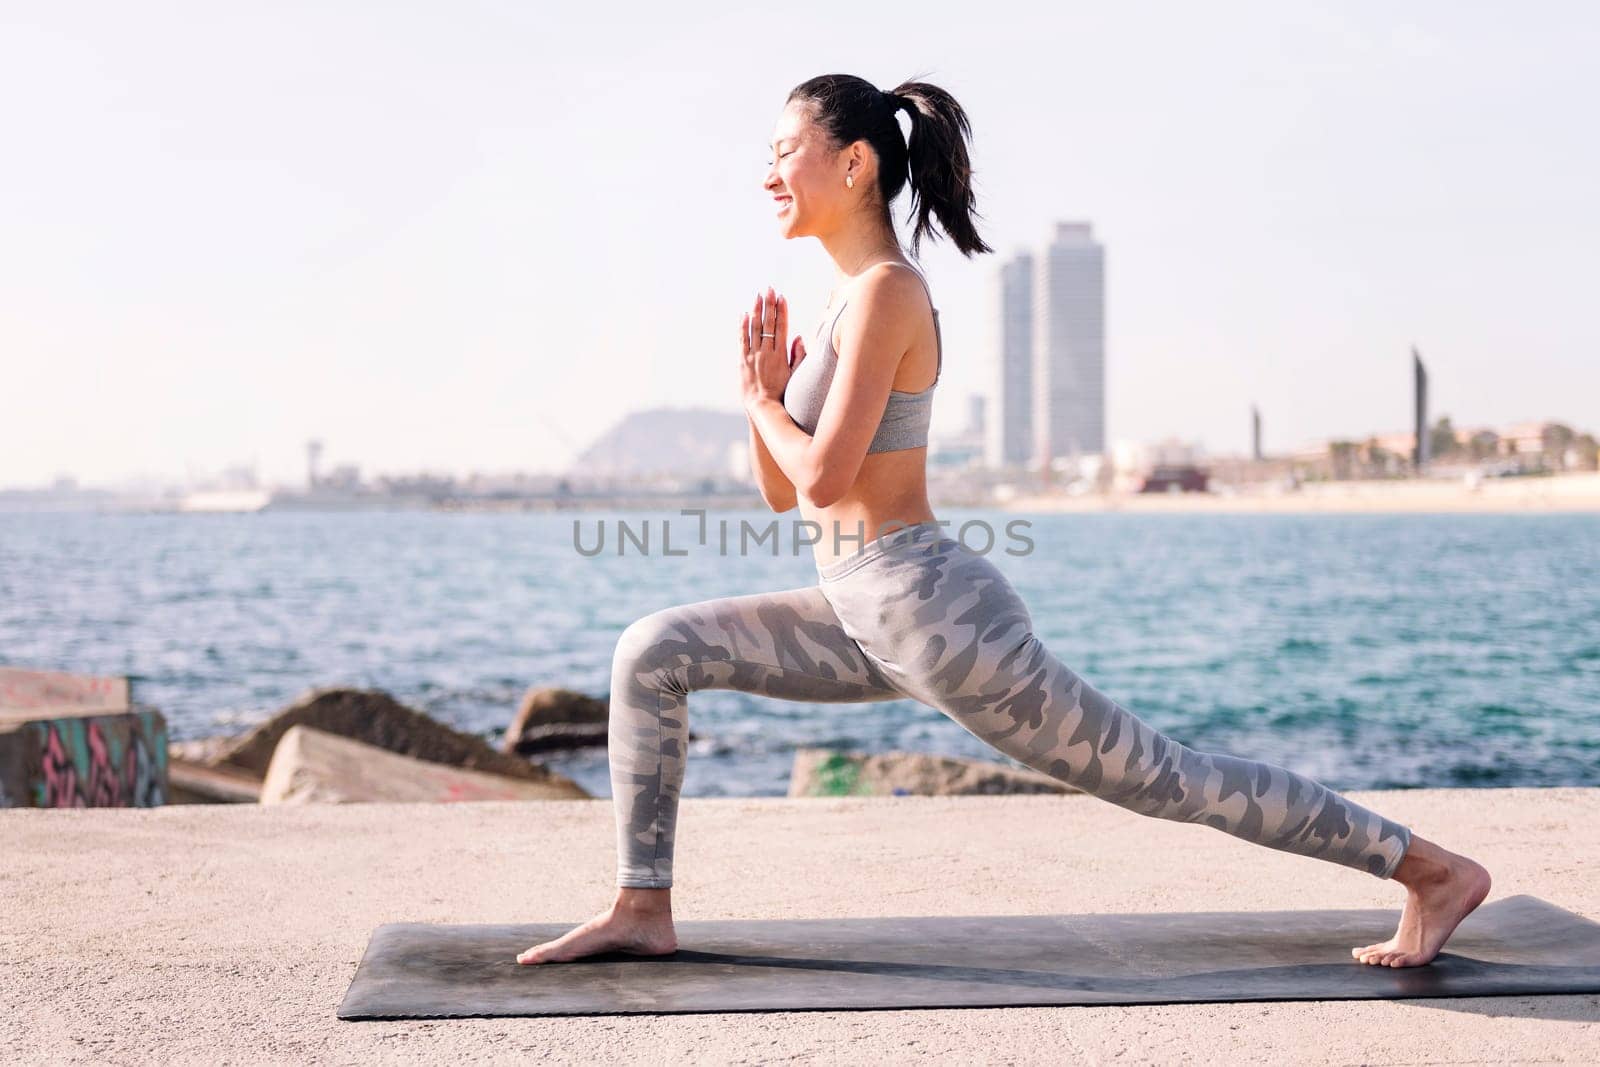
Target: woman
<point>913,613</point>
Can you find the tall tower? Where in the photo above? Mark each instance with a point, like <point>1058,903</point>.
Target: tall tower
<point>1419,385</point>
<point>1069,365</point>
<point>313,455</point>
<point>1255,433</point>
<point>1008,432</point>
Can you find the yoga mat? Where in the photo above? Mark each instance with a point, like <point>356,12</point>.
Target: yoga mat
<point>1517,945</point>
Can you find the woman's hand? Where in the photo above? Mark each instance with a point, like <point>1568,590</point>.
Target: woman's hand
<point>764,365</point>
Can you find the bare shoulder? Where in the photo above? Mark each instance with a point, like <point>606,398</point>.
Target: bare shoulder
<point>895,279</point>
<point>893,295</point>
<point>888,310</point>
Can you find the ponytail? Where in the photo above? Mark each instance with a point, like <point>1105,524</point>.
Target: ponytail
<point>941,168</point>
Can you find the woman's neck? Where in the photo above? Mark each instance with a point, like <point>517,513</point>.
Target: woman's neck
<point>852,251</point>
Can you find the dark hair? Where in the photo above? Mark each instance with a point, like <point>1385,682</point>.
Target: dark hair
<point>852,109</point>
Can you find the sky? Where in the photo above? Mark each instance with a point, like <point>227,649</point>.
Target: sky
<point>472,236</point>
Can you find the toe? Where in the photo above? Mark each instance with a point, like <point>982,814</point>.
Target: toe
<point>537,954</point>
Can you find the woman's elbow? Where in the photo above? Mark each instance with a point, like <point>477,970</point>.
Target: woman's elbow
<point>825,488</point>
<point>780,504</point>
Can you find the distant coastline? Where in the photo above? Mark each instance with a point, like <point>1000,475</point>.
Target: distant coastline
<point>1525,494</point>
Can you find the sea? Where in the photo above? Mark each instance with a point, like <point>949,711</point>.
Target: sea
<point>1366,650</point>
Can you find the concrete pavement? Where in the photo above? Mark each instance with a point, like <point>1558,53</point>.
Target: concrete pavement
<point>229,933</point>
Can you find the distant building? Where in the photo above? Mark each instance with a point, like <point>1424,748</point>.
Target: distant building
<point>1008,437</point>
<point>1069,397</point>
<point>313,457</point>
<point>1148,466</point>
<point>1419,379</point>
<point>1184,478</point>
<point>966,449</point>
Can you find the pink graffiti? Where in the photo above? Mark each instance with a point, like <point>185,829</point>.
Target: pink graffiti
<point>60,773</point>
<point>105,783</point>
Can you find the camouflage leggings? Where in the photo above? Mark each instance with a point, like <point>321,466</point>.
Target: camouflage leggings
<point>916,614</point>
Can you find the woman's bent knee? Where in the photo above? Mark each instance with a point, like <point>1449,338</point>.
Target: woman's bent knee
<point>651,643</point>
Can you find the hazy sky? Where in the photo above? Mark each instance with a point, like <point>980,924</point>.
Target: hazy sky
<point>472,235</point>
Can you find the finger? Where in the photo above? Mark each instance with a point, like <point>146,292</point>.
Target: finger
<point>781,323</point>
<point>797,351</point>
<point>755,323</point>
<point>769,314</point>
<point>744,335</point>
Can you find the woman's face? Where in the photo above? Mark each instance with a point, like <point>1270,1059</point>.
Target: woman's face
<point>805,179</point>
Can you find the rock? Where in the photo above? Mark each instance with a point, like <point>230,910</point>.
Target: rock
<point>375,718</point>
<point>311,766</point>
<point>195,782</point>
<point>200,749</point>
<point>550,718</point>
<point>822,772</point>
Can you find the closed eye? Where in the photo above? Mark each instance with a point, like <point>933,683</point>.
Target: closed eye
<point>788,153</point>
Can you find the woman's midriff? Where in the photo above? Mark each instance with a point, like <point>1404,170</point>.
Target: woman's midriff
<point>890,491</point>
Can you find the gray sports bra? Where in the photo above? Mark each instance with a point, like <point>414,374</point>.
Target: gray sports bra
<point>905,417</point>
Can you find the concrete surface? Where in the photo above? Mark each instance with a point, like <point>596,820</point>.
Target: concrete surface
<point>228,934</point>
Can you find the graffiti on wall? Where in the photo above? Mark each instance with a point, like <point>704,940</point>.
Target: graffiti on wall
<point>101,761</point>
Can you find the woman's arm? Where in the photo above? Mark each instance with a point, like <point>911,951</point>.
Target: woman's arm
<point>887,311</point>
<point>776,488</point>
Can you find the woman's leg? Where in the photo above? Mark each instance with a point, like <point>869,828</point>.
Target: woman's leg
<point>945,626</point>
<point>786,644</point>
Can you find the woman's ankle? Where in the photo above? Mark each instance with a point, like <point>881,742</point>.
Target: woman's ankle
<point>1424,862</point>
<point>640,901</point>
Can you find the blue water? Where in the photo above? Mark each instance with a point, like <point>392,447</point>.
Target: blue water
<point>1368,651</point>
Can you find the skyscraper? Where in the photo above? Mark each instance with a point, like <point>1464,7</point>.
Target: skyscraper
<point>1069,391</point>
<point>1419,385</point>
<point>1008,436</point>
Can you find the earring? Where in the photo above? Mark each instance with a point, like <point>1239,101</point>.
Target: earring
<point>850,181</point>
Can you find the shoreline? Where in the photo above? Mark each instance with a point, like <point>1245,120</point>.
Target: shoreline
<point>1579,492</point>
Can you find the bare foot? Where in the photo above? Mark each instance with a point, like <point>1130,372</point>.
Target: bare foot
<point>1442,888</point>
<point>639,922</point>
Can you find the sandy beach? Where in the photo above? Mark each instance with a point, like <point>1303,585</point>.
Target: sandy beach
<point>211,934</point>
<point>1563,492</point>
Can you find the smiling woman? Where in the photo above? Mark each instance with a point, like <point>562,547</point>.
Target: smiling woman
<point>844,434</point>
<point>914,613</point>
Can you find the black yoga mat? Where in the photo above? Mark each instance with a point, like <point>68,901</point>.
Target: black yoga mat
<point>1518,945</point>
